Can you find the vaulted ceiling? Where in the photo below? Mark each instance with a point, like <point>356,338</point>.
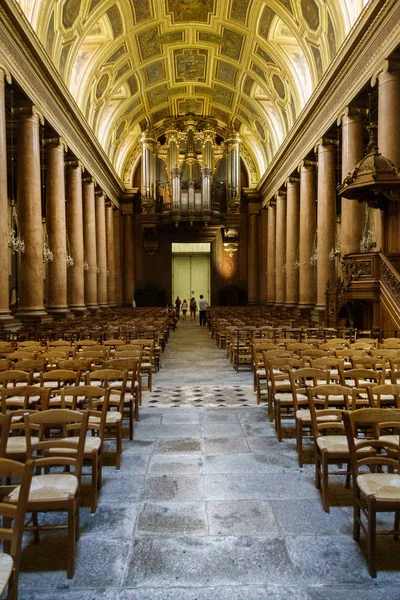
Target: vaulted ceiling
<point>250,64</point>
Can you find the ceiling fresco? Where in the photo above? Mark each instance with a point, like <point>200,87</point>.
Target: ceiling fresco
<point>133,64</point>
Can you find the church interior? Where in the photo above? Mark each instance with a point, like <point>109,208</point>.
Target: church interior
<point>247,151</point>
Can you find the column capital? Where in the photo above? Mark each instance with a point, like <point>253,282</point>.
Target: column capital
<point>99,192</point>
<point>127,210</point>
<point>89,179</point>
<point>292,180</point>
<point>280,194</point>
<point>325,142</point>
<point>5,73</point>
<point>251,194</point>
<point>74,164</point>
<point>271,203</point>
<point>253,209</point>
<point>390,65</point>
<point>56,141</point>
<point>351,111</point>
<point>29,110</point>
<point>307,164</point>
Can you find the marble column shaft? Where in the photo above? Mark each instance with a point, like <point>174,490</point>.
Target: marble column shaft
<point>29,206</point>
<point>292,242</point>
<point>110,256</point>
<point>271,254</point>
<point>75,274</point>
<point>129,265</point>
<point>4,229</point>
<point>56,229</point>
<point>353,212</point>
<point>252,254</point>
<point>326,219</point>
<point>280,259</point>
<point>308,226</point>
<point>101,249</point>
<point>262,257</point>
<point>89,238</point>
<point>118,239</point>
<point>388,234</point>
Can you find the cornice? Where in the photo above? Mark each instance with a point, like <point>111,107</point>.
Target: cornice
<point>23,55</point>
<point>375,35</point>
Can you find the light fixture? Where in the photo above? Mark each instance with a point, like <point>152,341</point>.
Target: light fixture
<point>335,251</point>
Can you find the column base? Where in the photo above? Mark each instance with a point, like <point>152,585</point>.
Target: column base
<point>253,303</point>
<point>291,304</point>
<point>279,304</point>
<point>38,315</point>
<point>112,304</point>
<point>79,311</point>
<point>92,308</point>
<point>320,312</point>
<point>59,312</point>
<point>7,320</point>
<point>103,306</point>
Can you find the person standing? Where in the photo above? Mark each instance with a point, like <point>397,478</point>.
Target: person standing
<point>193,308</point>
<point>184,308</point>
<point>202,310</point>
<point>178,303</point>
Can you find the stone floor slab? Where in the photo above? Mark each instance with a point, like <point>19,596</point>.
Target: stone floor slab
<point>179,488</point>
<point>242,518</point>
<point>225,445</point>
<point>197,562</point>
<point>173,518</point>
<point>252,487</point>
<point>175,463</point>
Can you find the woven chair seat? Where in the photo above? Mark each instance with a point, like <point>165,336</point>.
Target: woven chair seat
<point>338,444</point>
<point>17,444</point>
<point>384,486</point>
<point>6,567</point>
<point>91,443</point>
<point>305,415</point>
<point>53,486</point>
<point>394,439</point>
<point>113,416</point>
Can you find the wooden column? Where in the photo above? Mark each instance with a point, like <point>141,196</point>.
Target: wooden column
<point>262,257</point>
<point>292,240</point>
<point>110,255</point>
<point>252,256</point>
<point>308,226</point>
<point>56,229</point>
<point>271,255</point>
<point>118,239</point>
<point>89,239</point>
<point>280,259</point>
<point>29,206</point>
<point>75,273</point>
<point>388,235</point>
<point>5,314</point>
<point>101,249</point>
<point>353,212</point>
<point>129,265</point>
<point>326,219</point>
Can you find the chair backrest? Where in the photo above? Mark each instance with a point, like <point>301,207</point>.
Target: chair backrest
<point>13,377</point>
<point>386,352</point>
<point>88,397</point>
<point>23,397</point>
<point>113,379</point>
<point>58,343</point>
<point>328,363</point>
<point>383,452</point>
<point>29,365</point>
<point>301,379</point>
<point>5,422</point>
<point>395,376</point>
<point>19,354</point>
<point>360,378</point>
<point>368,362</point>
<point>59,377</point>
<point>384,395</point>
<point>65,421</point>
<point>124,364</point>
<point>332,395</point>
<point>13,514</point>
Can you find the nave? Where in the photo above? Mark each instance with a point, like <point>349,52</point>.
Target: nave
<point>208,504</point>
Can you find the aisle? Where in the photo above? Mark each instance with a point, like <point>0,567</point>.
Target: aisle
<point>208,505</point>
<point>196,373</point>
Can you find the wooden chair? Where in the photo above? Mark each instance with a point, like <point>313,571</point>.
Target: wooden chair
<point>133,397</point>
<point>394,364</point>
<point>300,380</point>
<point>12,377</point>
<point>146,367</point>
<point>95,400</point>
<point>360,380</point>
<point>13,517</point>
<point>114,380</point>
<point>384,396</point>
<point>280,397</point>
<point>59,378</point>
<point>55,491</point>
<point>327,403</point>
<point>378,490</point>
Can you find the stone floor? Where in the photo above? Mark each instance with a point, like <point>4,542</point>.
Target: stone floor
<point>209,506</point>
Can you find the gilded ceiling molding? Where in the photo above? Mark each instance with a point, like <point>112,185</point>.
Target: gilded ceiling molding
<point>363,52</point>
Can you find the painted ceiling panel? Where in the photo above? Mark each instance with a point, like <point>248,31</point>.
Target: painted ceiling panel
<point>250,64</point>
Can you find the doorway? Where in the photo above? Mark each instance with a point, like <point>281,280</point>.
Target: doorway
<point>191,271</point>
